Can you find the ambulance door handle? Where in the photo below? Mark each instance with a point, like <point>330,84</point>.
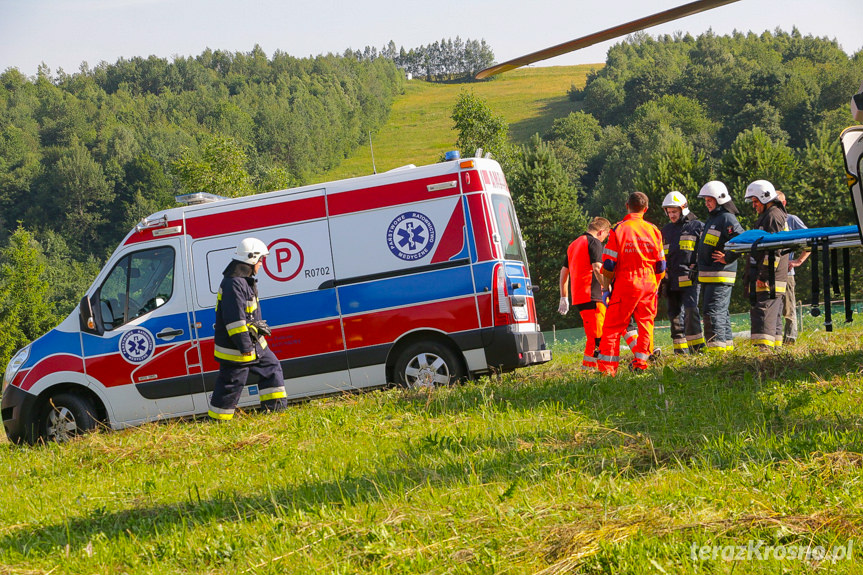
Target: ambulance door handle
<point>169,333</point>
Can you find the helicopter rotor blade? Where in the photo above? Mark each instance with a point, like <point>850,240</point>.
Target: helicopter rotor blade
<point>608,34</point>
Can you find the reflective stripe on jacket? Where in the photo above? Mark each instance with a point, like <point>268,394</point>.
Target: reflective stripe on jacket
<point>235,338</point>
<point>679,240</point>
<point>720,227</point>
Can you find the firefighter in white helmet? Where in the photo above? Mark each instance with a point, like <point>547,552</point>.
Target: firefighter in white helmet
<point>679,238</point>
<point>717,269</point>
<point>767,273</point>
<point>240,342</point>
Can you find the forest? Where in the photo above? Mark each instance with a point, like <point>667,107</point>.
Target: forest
<point>83,156</point>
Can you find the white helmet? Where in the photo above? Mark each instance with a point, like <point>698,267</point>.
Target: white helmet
<point>251,250</point>
<point>676,200</point>
<point>762,190</point>
<point>716,190</point>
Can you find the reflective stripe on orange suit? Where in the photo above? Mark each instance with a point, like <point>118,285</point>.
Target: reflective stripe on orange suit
<point>635,248</point>
<point>593,320</point>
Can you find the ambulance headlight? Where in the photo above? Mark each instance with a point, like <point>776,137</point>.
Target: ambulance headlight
<point>15,364</point>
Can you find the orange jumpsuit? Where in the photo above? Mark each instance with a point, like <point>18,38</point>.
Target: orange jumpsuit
<point>586,292</point>
<point>635,258</point>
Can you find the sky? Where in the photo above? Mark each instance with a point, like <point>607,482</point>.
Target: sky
<point>65,33</point>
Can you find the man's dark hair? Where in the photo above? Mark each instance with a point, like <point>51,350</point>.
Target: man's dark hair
<point>637,202</point>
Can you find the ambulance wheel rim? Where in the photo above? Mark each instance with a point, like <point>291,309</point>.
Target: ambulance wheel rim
<point>61,425</point>
<point>427,370</point>
<point>67,416</point>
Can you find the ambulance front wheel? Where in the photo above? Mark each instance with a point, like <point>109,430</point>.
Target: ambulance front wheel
<point>66,416</point>
<point>427,364</point>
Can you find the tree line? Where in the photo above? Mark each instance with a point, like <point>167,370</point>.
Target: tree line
<point>440,61</point>
<point>671,113</point>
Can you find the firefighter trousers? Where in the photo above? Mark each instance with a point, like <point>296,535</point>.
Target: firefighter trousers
<point>633,298</point>
<point>232,379</point>
<point>789,312</point>
<point>686,334</point>
<point>715,300</point>
<point>765,316</point>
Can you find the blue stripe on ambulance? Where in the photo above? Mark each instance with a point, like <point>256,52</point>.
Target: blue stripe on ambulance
<point>96,345</point>
<point>53,342</point>
<point>303,307</point>
<point>471,241</point>
<point>406,290</point>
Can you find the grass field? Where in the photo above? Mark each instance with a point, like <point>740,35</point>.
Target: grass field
<point>419,130</point>
<point>547,470</point>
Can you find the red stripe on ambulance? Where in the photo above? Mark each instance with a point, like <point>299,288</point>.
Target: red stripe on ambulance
<point>52,364</point>
<point>383,327</point>
<point>301,340</point>
<point>390,195</point>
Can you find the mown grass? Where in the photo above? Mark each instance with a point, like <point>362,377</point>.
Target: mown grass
<point>419,130</point>
<point>546,470</point>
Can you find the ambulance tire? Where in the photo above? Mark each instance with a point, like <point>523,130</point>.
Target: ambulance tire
<point>66,416</point>
<point>427,364</point>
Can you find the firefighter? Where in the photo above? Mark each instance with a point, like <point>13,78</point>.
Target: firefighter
<point>766,276</point>
<point>716,268</point>
<point>680,236</point>
<point>789,301</point>
<point>581,276</point>
<point>633,259</point>
<point>240,343</point>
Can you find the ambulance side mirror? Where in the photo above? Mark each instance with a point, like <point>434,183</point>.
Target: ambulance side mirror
<point>87,319</point>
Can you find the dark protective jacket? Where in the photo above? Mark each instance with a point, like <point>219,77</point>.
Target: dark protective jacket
<point>236,339</point>
<point>720,227</point>
<point>773,219</point>
<point>679,239</point>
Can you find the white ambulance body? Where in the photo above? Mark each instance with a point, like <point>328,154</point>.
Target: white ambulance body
<point>414,276</point>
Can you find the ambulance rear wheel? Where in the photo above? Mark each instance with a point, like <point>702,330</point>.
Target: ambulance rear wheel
<point>66,416</point>
<point>427,364</point>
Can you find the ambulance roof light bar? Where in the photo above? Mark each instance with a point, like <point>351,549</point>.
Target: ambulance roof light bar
<point>198,198</point>
<point>148,224</point>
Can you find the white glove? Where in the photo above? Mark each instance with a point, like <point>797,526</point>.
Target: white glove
<point>563,307</point>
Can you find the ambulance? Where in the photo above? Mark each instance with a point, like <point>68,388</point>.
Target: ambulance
<point>416,276</point>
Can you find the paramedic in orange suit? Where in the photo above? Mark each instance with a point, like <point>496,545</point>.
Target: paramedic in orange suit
<point>634,261</point>
<point>581,276</point>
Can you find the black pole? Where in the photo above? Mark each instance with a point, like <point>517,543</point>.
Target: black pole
<point>846,271</point>
<point>828,315</point>
<point>834,262</point>
<point>816,296</point>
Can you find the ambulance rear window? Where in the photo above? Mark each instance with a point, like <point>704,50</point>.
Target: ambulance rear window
<point>507,225</point>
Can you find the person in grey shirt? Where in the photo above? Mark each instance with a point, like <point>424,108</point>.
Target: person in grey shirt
<point>789,301</point>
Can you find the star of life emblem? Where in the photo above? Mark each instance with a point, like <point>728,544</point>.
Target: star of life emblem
<point>137,345</point>
<point>411,236</point>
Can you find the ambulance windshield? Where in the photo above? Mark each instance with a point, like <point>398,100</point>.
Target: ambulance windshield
<point>507,225</point>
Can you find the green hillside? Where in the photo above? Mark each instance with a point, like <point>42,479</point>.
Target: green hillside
<point>419,129</point>
<point>547,470</point>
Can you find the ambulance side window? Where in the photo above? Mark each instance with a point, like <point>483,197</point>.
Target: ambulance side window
<point>138,284</point>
